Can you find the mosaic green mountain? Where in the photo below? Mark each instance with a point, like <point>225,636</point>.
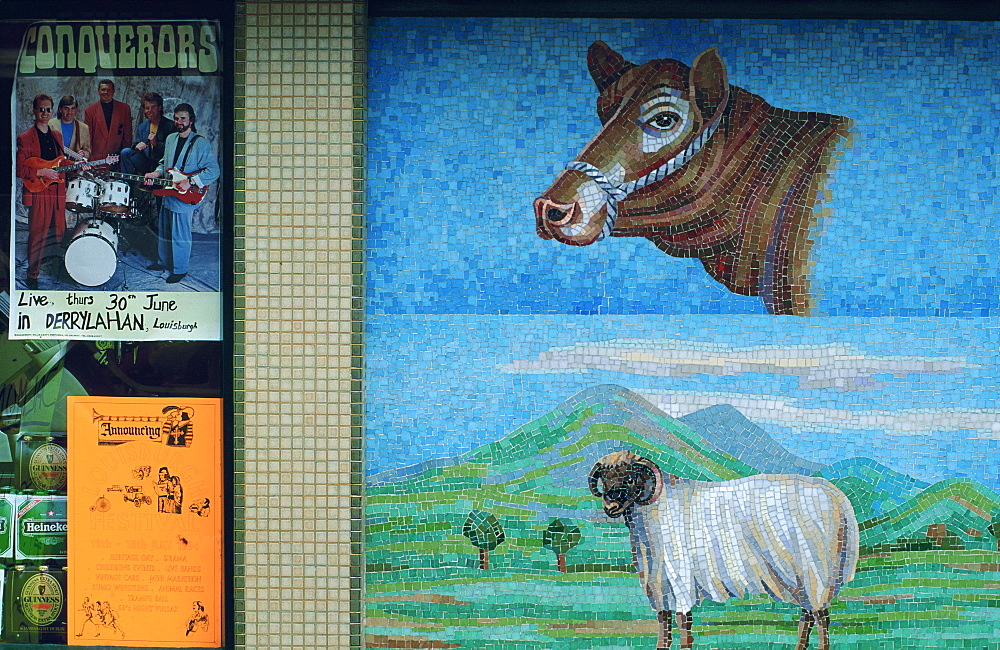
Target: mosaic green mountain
<point>963,505</point>
<point>539,472</point>
<point>872,487</point>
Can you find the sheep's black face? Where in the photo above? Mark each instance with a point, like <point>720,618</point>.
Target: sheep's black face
<point>624,487</point>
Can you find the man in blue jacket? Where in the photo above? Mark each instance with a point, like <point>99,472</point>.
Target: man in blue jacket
<point>151,138</point>
<point>190,163</point>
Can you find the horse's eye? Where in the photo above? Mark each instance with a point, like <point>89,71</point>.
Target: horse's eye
<point>664,121</point>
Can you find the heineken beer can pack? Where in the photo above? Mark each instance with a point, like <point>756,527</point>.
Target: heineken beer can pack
<point>40,528</point>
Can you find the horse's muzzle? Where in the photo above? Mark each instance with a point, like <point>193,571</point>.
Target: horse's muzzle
<point>550,214</point>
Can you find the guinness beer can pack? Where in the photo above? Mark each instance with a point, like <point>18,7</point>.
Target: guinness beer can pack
<point>40,463</point>
<point>37,604</point>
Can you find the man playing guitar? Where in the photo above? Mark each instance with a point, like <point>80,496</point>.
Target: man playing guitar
<point>190,154</point>
<point>46,208</point>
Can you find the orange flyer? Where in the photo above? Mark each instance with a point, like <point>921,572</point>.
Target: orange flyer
<point>145,522</point>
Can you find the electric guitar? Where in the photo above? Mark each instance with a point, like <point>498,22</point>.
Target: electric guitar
<point>37,184</point>
<point>72,155</point>
<point>192,195</point>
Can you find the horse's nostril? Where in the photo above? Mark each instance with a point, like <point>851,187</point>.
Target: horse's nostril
<point>555,214</point>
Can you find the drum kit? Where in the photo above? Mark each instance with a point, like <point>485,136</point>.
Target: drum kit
<point>96,210</point>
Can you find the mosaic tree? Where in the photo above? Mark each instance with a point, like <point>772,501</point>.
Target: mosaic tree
<point>485,533</point>
<point>941,537</point>
<point>994,528</point>
<point>560,538</point>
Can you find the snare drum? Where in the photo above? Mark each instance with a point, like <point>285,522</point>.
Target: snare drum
<point>92,255</point>
<point>81,195</point>
<point>115,197</point>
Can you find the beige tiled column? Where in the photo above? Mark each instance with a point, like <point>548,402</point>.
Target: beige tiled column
<point>299,190</point>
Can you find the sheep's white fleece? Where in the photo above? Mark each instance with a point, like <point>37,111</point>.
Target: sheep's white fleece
<point>792,537</point>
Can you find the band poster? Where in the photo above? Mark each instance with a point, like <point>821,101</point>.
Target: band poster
<point>145,522</point>
<point>116,203</point>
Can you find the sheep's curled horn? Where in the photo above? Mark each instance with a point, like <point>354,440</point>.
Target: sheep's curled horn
<point>624,462</point>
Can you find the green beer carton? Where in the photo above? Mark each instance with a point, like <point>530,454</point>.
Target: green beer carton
<point>6,526</point>
<point>41,463</point>
<point>40,528</point>
<point>37,610</point>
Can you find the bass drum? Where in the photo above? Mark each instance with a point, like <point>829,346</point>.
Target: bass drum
<point>92,255</point>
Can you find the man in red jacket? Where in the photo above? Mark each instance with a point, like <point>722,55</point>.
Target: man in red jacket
<point>46,207</point>
<point>110,123</point>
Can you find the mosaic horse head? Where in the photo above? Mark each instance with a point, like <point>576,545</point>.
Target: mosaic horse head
<point>700,168</point>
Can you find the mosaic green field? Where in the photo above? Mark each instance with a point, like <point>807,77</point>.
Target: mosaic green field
<point>425,584</point>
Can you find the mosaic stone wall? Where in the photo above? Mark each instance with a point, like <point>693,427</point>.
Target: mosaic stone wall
<point>779,262</point>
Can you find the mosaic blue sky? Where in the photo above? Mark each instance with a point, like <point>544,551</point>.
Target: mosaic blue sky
<point>469,120</point>
<point>919,395</point>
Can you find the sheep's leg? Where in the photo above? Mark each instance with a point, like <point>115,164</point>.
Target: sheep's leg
<point>663,637</point>
<point>684,621</point>
<point>822,617</point>
<point>805,627</point>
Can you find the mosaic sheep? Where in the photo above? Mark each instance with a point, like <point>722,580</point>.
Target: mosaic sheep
<point>701,169</point>
<point>792,537</point>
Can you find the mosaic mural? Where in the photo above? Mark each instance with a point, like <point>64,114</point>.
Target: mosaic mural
<point>781,433</point>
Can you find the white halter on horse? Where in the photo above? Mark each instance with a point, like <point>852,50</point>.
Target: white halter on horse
<point>617,193</point>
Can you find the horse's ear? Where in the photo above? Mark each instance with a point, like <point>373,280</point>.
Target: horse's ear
<point>709,84</point>
<point>606,66</point>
